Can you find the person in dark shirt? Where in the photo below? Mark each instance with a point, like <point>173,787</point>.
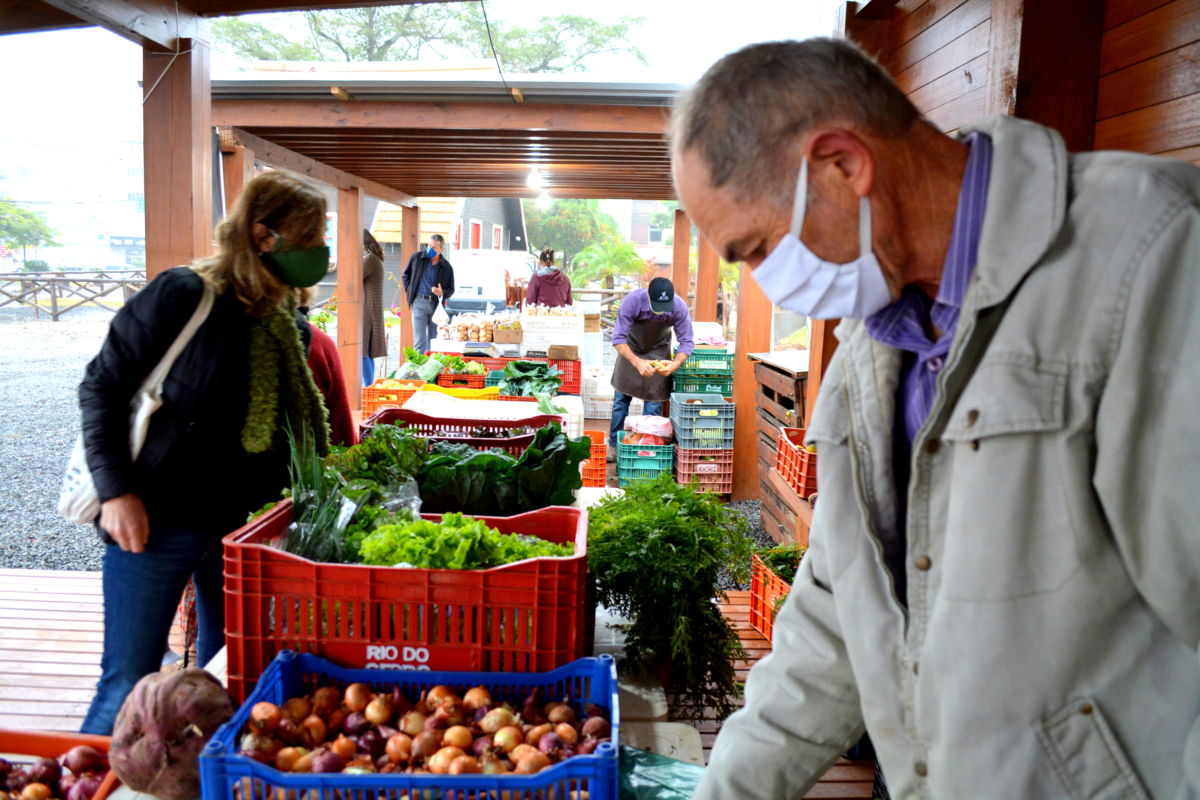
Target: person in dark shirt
<point>428,278</point>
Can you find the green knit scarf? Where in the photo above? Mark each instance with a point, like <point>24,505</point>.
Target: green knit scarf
<point>279,371</point>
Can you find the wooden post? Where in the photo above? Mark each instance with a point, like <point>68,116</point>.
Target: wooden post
<point>177,136</point>
<point>237,168</point>
<point>682,255</point>
<point>707,270</point>
<point>350,291</point>
<point>410,237</point>
<point>821,344</point>
<point>753,336</point>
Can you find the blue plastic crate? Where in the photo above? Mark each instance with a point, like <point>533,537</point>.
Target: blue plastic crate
<point>706,424</point>
<point>224,774</point>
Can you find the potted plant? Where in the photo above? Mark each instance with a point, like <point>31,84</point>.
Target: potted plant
<point>655,554</point>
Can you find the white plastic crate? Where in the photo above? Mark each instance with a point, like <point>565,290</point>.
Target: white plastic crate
<point>600,407</point>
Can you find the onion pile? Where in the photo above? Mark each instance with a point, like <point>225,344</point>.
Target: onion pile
<point>78,777</point>
<point>357,731</point>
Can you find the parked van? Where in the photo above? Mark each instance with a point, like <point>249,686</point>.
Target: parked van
<point>481,277</point>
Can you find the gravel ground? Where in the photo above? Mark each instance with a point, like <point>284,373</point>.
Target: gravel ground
<point>749,510</point>
<point>41,364</point>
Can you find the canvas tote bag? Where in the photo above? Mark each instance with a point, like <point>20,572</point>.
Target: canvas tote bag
<point>77,500</point>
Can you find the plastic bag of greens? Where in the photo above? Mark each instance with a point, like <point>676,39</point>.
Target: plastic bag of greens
<point>408,372</point>
<point>429,371</point>
<point>646,776</point>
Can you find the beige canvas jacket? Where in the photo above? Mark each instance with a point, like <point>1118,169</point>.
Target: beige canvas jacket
<point>1049,647</point>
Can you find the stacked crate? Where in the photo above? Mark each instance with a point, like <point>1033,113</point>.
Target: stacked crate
<point>703,426</point>
<point>706,372</point>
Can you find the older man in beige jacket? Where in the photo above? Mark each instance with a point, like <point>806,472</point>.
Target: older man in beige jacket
<point>1003,583</point>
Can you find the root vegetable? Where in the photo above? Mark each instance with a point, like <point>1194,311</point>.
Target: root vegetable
<point>357,696</point>
<point>438,696</point>
<point>344,746</point>
<point>496,719</point>
<point>464,765</point>
<point>550,743</point>
<point>507,738</point>
<point>426,744</point>
<point>356,724</point>
<point>458,736</point>
<point>162,727</point>
<point>598,727</point>
<point>79,760</point>
<point>439,762</point>
<point>325,700</point>
<point>312,731</point>
<point>412,723</point>
<point>84,788</point>
<point>560,712</point>
<point>567,733</point>
<point>477,697</point>
<point>285,759</point>
<point>379,710</point>
<point>45,770</point>
<point>481,745</point>
<point>533,763</point>
<point>297,708</point>
<point>328,761</point>
<point>264,717</point>
<point>372,743</point>
<point>399,748</point>
<point>520,751</point>
<point>534,734</point>
<point>36,791</point>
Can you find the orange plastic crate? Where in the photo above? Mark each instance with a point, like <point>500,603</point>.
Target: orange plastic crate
<point>529,616</point>
<point>797,466</point>
<point>462,381</point>
<point>54,745</point>
<point>765,590</point>
<point>712,469</point>
<point>374,397</point>
<point>595,468</point>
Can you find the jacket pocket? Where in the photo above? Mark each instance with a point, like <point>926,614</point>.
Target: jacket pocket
<point>1008,518</point>
<point>1086,755</point>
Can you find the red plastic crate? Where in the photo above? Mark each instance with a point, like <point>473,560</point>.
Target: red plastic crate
<point>54,745</point>
<point>711,469</point>
<point>529,616</point>
<point>490,363</point>
<point>459,430</point>
<point>797,466</point>
<point>374,397</point>
<point>461,381</point>
<point>765,590</point>
<point>572,372</point>
<point>595,468</point>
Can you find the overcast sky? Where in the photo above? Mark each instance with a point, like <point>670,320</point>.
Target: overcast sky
<point>78,88</point>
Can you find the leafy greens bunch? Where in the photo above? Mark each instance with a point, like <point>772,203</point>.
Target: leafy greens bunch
<point>529,379</point>
<point>495,483</point>
<point>457,542</point>
<point>655,554</point>
<point>783,560</point>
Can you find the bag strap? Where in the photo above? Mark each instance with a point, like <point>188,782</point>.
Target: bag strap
<point>155,379</point>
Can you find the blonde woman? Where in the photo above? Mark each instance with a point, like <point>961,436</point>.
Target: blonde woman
<point>217,447</point>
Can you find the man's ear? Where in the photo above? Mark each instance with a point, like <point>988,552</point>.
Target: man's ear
<point>841,156</point>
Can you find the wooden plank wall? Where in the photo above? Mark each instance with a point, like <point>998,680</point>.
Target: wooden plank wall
<point>938,52</point>
<point>1148,96</point>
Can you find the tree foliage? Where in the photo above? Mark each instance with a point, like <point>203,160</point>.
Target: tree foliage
<point>22,228</point>
<point>569,226</point>
<point>561,43</point>
<point>605,261</point>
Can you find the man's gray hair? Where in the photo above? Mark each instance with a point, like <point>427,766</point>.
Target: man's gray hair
<point>748,108</point>
<point>437,237</point>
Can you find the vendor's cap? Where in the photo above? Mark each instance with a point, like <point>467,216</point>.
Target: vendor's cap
<point>662,295</point>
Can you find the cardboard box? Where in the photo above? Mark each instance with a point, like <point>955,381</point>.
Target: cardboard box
<point>563,352</point>
<point>591,323</point>
<point>506,336</point>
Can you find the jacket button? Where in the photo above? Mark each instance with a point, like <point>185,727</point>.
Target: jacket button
<point>916,668</point>
<point>923,563</point>
<point>921,769</point>
<point>932,446</point>
<point>1086,708</point>
<point>972,417</point>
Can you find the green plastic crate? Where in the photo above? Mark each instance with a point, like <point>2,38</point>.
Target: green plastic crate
<point>494,378</point>
<point>708,362</point>
<point>637,462</point>
<point>703,384</point>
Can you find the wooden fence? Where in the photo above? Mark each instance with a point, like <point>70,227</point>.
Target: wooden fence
<point>56,293</point>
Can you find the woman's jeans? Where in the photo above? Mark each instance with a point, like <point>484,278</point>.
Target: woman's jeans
<point>141,595</point>
<point>621,411</point>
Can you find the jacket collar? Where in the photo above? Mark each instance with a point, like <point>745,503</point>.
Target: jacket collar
<point>1027,193</point>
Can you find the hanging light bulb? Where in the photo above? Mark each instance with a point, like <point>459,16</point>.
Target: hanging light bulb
<point>534,181</point>
<point>544,201</point>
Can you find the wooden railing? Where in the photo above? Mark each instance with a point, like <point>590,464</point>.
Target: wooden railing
<point>56,293</point>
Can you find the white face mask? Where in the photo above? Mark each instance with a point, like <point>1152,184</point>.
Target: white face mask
<point>793,277</point>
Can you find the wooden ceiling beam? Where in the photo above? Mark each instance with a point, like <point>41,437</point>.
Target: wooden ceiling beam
<point>165,23</point>
<point>214,8</point>
<point>279,156</point>
<point>31,16</point>
<point>528,117</point>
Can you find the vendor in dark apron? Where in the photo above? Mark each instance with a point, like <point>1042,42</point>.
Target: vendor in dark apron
<point>642,335</point>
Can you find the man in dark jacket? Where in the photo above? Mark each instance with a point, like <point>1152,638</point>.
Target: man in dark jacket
<point>427,278</point>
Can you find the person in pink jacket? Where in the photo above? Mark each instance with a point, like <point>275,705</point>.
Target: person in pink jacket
<point>549,286</point>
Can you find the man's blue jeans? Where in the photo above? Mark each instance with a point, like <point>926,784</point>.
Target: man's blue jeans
<point>621,411</point>
<point>368,371</point>
<point>141,595</point>
<point>424,328</point>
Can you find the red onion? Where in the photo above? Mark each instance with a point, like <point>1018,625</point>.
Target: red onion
<point>84,788</point>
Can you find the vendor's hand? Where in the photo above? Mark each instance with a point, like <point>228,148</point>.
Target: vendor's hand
<point>645,368</point>
<point>437,289</point>
<point>124,519</point>
<point>668,368</point>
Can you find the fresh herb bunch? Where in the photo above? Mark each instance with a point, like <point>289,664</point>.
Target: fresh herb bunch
<point>529,379</point>
<point>388,456</point>
<point>457,542</point>
<point>655,554</point>
<point>320,510</point>
<point>783,560</point>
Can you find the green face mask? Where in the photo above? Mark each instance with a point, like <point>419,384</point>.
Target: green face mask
<point>297,267</point>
